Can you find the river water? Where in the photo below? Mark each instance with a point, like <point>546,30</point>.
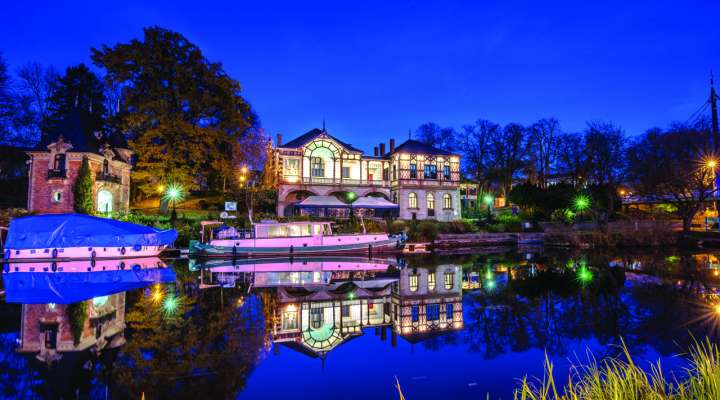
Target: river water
<point>461,327</point>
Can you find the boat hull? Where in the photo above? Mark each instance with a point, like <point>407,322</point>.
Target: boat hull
<point>244,248</point>
<point>82,253</point>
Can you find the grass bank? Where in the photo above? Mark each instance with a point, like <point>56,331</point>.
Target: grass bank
<point>620,379</point>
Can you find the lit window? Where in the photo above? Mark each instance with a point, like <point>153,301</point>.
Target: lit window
<point>414,282</point>
<point>345,172</point>
<point>413,171</point>
<point>316,318</point>
<point>292,167</point>
<point>412,200</point>
<point>290,318</point>
<point>57,196</point>
<point>449,280</point>
<point>430,204</point>
<point>447,201</point>
<point>431,281</point>
<point>317,167</point>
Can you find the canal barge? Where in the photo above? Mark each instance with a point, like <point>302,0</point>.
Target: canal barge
<point>77,237</point>
<point>293,239</point>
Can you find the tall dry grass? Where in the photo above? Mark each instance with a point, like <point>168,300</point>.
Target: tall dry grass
<point>621,379</point>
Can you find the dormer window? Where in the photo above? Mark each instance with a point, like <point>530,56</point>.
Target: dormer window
<point>59,162</point>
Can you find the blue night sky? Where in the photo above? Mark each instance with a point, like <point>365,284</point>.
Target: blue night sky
<point>375,70</point>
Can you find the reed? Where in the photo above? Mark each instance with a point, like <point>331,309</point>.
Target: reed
<point>621,379</point>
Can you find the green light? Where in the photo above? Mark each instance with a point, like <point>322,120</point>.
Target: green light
<point>488,275</point>
<point>170,305</point>
<point>351,295</point>
<point>488,199</point>
<point>584,275</point>
<point>490,284</point>
<point>174,193</point>
<point>351,196</point>
<point>581,202</point>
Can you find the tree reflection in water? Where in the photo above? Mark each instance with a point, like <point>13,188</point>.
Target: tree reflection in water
<point>546,303</point>
<point>204,348</point>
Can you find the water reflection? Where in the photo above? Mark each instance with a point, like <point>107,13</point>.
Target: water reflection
<point>215,329</point>
<point>72,320</point>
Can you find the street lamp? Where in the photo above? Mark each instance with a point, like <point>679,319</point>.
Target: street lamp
<point>581,203</point>
<point>488,200</point>
<point>174,193</point>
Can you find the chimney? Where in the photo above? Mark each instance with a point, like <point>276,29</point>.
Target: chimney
<point>382,149</point>
<point>279,140</point>
<point>375,151</point>
<point>392,146</point>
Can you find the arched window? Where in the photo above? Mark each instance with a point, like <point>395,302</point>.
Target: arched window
<point>447,201</point>
<point>412,200</point>
<point>104,201</point>
<point>430,205</point>
<point>317,167</point>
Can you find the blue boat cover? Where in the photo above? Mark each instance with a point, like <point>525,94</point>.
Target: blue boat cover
<point>71,287</point>
<point>51,231</point>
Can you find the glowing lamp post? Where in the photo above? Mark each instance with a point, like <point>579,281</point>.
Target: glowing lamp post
<point>581,203</point>
<point>488,200</point>
<point>174,193</point>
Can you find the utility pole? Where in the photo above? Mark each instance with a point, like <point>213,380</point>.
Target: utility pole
<point>714,115</point>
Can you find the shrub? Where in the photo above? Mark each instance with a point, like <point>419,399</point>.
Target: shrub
<point>76,314</point>
<point>397,226</point>
<point>427,231</point>
<point>83,189</point>
<point>563,215</point>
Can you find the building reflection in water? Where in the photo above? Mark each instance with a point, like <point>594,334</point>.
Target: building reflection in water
<point>322,302</point>
<point>76,306</point>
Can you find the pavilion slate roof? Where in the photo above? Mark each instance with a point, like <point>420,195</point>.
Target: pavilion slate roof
<point>414,146</point>
<point>309,136</point>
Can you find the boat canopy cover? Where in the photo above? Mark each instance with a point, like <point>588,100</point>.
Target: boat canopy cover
<point>71,287</point>
<point>77,230</point>
<point>374,202</point>
<point>322,202</point>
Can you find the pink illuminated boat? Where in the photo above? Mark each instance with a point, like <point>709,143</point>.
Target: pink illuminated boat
<point>294,238</point>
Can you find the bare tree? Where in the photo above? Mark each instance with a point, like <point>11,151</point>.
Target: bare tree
<point>36,84</point>
<point>544,138</point>
<point>475,142</point>
<point>508,155</point>
<point>673,167</point>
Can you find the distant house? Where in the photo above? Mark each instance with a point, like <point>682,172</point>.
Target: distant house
<point>421,179</point>
<point>55,163</point>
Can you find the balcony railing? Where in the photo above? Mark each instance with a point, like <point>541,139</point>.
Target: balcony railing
<point>57,174</point>
<point>336,181</point>
<point>108,178</point>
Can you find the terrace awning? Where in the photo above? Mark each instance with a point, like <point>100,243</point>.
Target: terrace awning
<point>374,203</point>
<point>322,202</point>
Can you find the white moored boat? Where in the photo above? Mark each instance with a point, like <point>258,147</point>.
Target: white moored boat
<point>294,238</point>
<point>78,236</point>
